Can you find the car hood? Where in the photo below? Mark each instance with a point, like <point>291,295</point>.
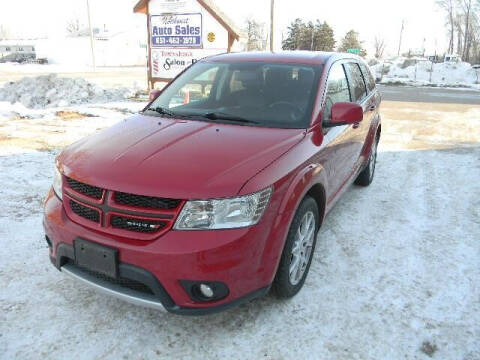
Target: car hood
<point>175,158</point>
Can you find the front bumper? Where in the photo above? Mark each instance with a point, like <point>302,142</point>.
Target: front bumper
<point>243,259</point>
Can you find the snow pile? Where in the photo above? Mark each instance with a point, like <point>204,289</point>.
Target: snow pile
<point>421,72</point>
<point>52,91</point>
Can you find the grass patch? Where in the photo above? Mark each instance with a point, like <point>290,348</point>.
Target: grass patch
<point>72,115</point>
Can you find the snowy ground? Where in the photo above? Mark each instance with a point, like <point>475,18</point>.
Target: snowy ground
<point>396,270</point>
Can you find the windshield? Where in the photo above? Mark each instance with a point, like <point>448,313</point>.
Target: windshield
<point>258,94</point>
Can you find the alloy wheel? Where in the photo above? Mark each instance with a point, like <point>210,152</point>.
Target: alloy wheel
<point>302,248</point>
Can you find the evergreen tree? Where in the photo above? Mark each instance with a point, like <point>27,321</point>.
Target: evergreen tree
<point>316,37</point>
<point>324,39</point>
<point>306,36</point>
<point>351,41</point>
<point>292,42</point>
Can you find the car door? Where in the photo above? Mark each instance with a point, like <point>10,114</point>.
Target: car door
<point>373,99</point>
<point>334,154</point>
<point>358,133</point>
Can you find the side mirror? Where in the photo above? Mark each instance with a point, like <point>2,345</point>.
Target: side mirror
<point>153,94</point>
<point>344,113</point>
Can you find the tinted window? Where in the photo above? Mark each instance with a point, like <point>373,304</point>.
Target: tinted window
<point>357,85</point>
<point>197,89</point>
<point>367,75</point>
<point>262,94</point>
<point>337,89</point>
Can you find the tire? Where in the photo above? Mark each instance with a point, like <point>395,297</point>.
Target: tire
<point>365,178</point>
<point>289,281</point>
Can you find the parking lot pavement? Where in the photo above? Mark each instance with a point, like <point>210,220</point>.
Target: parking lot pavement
<point>395,269</point>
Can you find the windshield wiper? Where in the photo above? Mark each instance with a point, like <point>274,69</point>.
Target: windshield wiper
<point>162,111</point>
<point>228,117</point>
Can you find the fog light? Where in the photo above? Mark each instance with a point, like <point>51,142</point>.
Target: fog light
<point>200,291</point>
<point>206,290</point>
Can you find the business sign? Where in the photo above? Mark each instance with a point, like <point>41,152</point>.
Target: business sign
<point>176,30</point>
<point>167,63</point>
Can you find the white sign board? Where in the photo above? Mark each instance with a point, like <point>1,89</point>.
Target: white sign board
<point>176,30</point>
<point>168,63</point>
<point>181,33</point>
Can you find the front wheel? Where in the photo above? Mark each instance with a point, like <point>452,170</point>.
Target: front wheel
<point>298,251</point>
<point>365,178</point>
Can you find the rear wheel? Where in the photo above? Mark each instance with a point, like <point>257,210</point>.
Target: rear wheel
<point>298,251</point>
<point>365,178</point>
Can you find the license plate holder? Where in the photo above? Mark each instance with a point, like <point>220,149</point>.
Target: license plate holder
<point>95,257</point>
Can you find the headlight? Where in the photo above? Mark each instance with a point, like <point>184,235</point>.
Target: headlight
<point>57,183</point>
<point>223,213</point>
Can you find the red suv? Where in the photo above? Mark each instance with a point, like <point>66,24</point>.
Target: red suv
<point>215,192</point>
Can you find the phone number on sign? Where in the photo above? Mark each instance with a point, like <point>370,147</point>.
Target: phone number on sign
<point>176,41</point>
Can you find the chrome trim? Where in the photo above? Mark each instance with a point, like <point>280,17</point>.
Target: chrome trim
<point>125,294</point>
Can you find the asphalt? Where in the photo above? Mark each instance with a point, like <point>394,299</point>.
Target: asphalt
<point>429,95</point>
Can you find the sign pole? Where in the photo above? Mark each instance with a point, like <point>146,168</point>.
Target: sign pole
<point>91,37</point>
<point>149,52</point>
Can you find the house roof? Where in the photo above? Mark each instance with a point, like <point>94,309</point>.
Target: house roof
<point>141,7</point>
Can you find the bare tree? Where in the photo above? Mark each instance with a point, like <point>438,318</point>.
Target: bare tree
<point>459,27</point>
<point>450,7</point>
<point>73,26</point>
<point>256,39</point>
<point>475,38</point>
<point>379,45</point>
<point>466,6</point>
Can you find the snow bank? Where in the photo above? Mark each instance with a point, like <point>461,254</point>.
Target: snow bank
<point>52,91</point>
<point>421,72</point>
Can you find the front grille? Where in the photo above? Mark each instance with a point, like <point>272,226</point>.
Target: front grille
<point>145,201</point>
<point>124,282</point>
<point>85,189</point>
<point>134,224</point>
<point>85,212</point>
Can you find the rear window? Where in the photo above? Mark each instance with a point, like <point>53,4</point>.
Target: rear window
<point>357,85</point>
<point>367,75</point>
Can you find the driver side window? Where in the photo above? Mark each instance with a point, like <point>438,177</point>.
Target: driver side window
<point>337,90</point>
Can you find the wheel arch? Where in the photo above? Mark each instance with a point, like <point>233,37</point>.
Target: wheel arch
<point>318,193</point>
<point>379,131</point>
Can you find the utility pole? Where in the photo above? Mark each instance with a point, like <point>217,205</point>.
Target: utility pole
<point>272,9</point>
<point>92,45</point>
<point>400,41</point>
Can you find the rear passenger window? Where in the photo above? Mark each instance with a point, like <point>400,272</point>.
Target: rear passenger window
<point>367,75</point>
<point>357,84</point>
<point>337,90</point>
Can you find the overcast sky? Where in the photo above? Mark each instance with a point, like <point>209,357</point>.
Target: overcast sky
<point>423,20</point>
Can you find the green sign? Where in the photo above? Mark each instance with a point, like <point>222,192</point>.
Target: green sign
<point>354,51</point>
